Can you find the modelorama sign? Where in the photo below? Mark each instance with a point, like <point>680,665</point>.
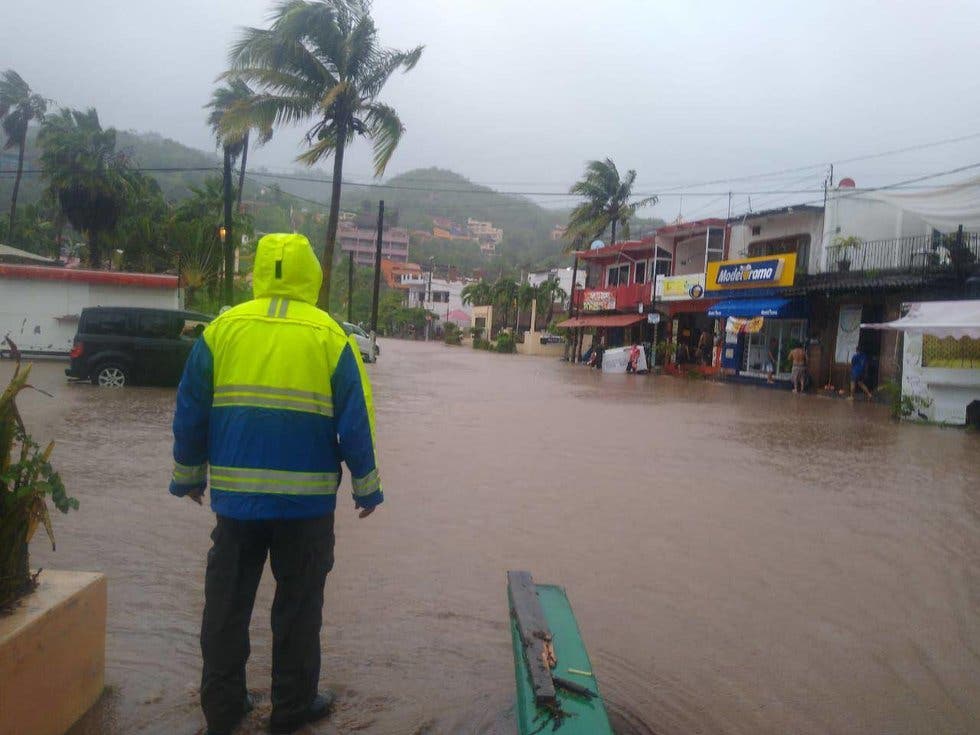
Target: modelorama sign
<point>765,272</point>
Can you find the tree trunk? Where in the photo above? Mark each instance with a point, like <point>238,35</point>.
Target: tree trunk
<point>94,250</point>
<point>228,242</point>
<point>241,173</point>
<point>326,262</point>
<point>13,197</point>
<point>613,241</point>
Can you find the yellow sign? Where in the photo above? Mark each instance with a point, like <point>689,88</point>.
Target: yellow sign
<point>768,271</point>
<point>672,288</point>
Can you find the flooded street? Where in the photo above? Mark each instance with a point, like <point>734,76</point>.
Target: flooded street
<point>740,560</point>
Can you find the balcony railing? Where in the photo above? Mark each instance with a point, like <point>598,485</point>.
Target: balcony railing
<point>916,254</point>
<point>618,298</point>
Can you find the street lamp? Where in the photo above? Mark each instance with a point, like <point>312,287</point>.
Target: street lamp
<point>222,233</point>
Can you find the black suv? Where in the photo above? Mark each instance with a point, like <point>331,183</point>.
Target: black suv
<point>119,345</point>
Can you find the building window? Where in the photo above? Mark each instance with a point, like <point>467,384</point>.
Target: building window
<point>799,244</point>
<point>715,248</point>
<point>440,297</point>
<point>640,272</point>
<point>618,275</point>
<point>662,263</point>
<point>756,230</point>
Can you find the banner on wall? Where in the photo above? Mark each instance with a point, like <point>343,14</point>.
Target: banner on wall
<point>848,333</point>
<point>599,301</point>
<point>738,325</point>
<point>770,271</point>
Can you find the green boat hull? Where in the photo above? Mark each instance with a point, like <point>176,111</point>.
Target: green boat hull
<point>582,715</point>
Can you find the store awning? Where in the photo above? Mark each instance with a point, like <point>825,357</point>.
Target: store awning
<point>956,319</point>
<point>773,307</point>
<point>603,320</point>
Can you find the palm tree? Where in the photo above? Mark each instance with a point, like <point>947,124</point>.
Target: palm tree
<point>85,173</point>
<point>551,293</point>
<point>477,293</point>
<point>235,140</point>
<point>18,107</point>
<point>607,203</point>
<point>321,60</point>
<point>504,293</point>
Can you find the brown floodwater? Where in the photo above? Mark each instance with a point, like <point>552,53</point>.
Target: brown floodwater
<point>740,560</point>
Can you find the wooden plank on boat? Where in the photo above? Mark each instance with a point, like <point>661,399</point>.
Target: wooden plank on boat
<point>535,635</point>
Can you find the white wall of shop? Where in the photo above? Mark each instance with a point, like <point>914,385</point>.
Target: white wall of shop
<point>422,295</point>
<point>783,225</point>
<point>938,394</point>
<point>850,214</point>
<point>41,316</point>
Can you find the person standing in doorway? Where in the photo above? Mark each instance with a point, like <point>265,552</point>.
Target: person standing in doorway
<point>859,368</point>
<point>772,360</point>
<point>273,397</point>
<point>798,357</point>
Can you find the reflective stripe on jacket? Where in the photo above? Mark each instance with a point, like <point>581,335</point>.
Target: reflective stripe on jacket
<point>274,397</point>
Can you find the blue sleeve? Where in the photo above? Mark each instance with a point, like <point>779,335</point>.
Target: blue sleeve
<point>354,417</point>
<point>191,421</point>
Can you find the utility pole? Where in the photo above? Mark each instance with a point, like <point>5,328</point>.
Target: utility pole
<point>227,240</point>
<point>377,268</point>
<point>570,344</point>
<point>350,287</point>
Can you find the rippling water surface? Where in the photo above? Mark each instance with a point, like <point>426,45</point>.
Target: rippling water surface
<point>740,560</point>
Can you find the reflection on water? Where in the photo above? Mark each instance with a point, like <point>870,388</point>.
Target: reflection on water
<point>740,560</point>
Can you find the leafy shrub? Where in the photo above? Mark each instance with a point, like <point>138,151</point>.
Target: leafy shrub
<point>480,344</point>
<point>505,343</point>
<point>451,334</point>
<point>26,481</point>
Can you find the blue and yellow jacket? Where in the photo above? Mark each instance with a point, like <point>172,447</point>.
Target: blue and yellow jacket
<point>273,397</point>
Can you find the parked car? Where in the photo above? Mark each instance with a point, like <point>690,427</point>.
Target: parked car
<point>120,345</point>
<point>369,347</point>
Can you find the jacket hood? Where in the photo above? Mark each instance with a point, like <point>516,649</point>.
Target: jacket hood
<point>285,265</point>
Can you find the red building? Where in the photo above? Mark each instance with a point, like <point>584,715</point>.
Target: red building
<point>651,290</point>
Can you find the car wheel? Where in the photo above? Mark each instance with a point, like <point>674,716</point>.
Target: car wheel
<point>377,351</point>
<point>110,375</point>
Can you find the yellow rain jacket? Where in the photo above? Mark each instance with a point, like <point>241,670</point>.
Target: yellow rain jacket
<point>273,397</point>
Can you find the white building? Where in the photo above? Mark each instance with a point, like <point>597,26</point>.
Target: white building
<point>438,295</point>
<point>41,305</point>
<point>562,275</point>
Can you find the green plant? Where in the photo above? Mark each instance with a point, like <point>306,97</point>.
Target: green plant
<point>843,245</point>
<point>480,344</point>
<point>505,343</point>
<point>451,334</point>
<point>27,479</point>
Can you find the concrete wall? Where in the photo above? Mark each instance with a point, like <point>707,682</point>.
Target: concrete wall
<point>938,394</point>
<point>42,316</point>
<point>689,255</point>
<point>784,225</point>
<point>850,214</point>
<point>532,346</point>
<point>52,654</point>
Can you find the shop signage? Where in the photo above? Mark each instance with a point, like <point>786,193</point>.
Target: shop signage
<point>599,301</point>
<point>738,325</point>
<point>679,288</point>
<point>765,272</point>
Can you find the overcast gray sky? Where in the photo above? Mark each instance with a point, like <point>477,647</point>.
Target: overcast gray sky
<point>520,93</point>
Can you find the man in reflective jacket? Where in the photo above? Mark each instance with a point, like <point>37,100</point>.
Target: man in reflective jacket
<point>273,397</point>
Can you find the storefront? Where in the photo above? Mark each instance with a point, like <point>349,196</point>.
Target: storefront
<point>756,328</point>
<point>761,326</point>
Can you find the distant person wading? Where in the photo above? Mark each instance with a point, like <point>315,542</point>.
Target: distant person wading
<point>274,397</point>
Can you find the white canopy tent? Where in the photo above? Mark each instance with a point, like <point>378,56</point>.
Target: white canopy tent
<point>939,318</point>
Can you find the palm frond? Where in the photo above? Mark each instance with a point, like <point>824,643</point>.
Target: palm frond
<point>385,130</point>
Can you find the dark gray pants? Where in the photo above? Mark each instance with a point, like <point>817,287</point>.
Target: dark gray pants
<point>301,554</point>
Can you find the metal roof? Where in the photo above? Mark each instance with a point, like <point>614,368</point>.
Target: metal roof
<point>790,209</point>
